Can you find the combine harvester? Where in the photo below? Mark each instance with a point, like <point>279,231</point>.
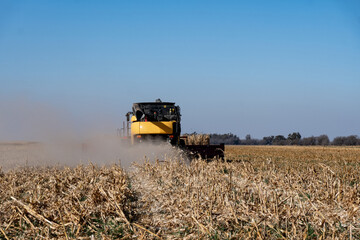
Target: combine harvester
<point>160,122</point>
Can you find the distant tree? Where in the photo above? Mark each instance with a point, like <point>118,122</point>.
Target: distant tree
<point>294,138</point>
<point>338,141</point>
<point>279,137</point>
<point>249,141</point>
<point>279,140</point>
<point>323,140</point>
<point>308,141</point>
<point>228,139</point>
<point>351,140</point>
<point>267,140</point>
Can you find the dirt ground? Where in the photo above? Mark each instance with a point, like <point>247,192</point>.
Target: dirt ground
<point>99,151</point>
<point>16,154</point>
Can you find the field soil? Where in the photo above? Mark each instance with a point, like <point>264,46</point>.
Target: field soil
<point>21,154</point>
<point>257,192</point>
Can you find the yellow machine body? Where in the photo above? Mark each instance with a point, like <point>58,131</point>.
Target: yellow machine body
<point>140,128</point>
<point>154,121</point>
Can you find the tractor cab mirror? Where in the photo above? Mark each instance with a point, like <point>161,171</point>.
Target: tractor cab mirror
<point>133,119</point>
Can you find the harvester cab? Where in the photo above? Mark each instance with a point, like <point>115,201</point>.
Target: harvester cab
<point>155,121</point>
<point>152,121</point>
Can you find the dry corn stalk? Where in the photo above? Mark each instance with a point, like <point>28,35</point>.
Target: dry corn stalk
<point>197,139</point>
<point>57,203</point>
<point>263,193</point>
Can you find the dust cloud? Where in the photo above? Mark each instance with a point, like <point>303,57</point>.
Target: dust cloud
<point>37,134</point>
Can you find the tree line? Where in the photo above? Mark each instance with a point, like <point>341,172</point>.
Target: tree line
<point>294,138</point>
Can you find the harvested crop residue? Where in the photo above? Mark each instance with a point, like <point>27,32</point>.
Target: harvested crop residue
<point>64,203</point>
<point>263,193</point>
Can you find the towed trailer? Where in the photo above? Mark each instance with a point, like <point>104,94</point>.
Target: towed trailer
<point>206,151</point>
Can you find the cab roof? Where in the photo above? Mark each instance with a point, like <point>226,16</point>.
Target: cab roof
<point>156,103</point>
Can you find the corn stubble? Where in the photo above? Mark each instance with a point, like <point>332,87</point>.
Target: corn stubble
<point>263,193</point>
<point>64,203</point>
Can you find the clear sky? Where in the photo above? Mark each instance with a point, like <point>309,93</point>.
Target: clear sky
<point>246,67</point>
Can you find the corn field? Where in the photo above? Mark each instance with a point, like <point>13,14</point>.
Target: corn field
<point>257,192</point>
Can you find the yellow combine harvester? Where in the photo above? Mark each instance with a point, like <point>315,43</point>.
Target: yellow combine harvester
<point>160,121</point>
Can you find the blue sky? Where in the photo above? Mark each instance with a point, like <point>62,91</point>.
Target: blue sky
<point>247,67</point>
